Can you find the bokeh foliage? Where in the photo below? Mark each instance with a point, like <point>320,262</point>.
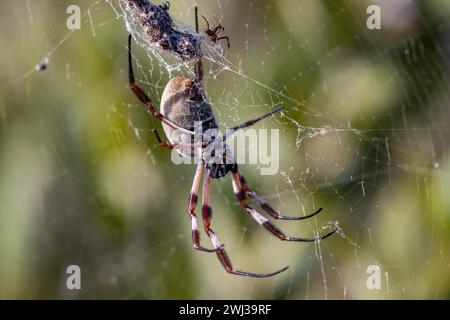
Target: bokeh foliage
<point>77,186</point>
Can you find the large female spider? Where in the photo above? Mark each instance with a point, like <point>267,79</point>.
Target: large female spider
<point>183,103</point>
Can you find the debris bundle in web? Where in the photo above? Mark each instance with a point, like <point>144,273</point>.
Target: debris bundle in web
<point>161,31</point>
<point>155,30</point>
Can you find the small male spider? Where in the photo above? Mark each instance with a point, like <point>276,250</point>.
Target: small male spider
<point>213,33</point>
<point>182,104</point>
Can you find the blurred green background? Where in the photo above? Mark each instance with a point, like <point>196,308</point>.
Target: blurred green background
<point>364,135</point>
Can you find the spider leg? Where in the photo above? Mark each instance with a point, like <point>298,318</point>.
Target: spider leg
<point>217,29</point>
<point>267,207</point>
<point>170,145</point>
<point>263,221</point>
<point>249,123</point>
<point>193,197</point>
<point>221,253</point>
<point>164,144</point>
<point>196,19</point>
<point>228,40</point>
<point>198,62</point>
<point>145,98</point>
<point>207,23</point>
<point>198,72</point>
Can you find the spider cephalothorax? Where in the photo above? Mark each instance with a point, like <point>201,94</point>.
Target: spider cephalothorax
<point>183,104</point>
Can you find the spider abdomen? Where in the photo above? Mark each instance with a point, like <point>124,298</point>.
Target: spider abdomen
<point>185,104</point>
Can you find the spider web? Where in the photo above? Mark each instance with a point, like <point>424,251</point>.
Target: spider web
<point>363,135</point>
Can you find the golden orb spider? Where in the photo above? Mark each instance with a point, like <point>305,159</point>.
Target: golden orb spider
<point>183,103</point>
